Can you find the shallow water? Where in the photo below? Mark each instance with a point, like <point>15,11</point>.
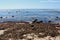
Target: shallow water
<point>29,15</point>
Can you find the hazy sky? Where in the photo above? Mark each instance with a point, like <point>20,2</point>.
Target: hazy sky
<point>23,4</point>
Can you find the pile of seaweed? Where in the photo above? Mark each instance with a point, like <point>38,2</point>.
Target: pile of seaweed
<point>16,30</point>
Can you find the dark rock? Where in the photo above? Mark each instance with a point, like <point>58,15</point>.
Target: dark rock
<point>12,16</point>
<point>41,21</point>
<point>57,17</point>
<point>49,21</point>
<point>1,17</point>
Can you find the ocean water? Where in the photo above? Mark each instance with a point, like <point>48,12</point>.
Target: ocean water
<point>29,15</point>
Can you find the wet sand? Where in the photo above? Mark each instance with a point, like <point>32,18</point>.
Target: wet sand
<point>29,31</point>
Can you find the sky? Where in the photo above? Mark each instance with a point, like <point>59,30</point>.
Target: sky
<point>29,4</point>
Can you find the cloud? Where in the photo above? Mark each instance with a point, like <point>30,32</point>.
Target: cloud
<point>53,0</point>
<point>49,0</point>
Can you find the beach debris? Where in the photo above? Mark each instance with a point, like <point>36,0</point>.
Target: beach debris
<point>42,33</point>
<point>2,32</point>
<point>32,25</point>
<point>34,21</point>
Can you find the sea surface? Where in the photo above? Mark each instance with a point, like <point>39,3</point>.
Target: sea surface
<point>29,15</point>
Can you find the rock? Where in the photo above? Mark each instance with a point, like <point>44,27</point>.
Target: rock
<point>1,17</point>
